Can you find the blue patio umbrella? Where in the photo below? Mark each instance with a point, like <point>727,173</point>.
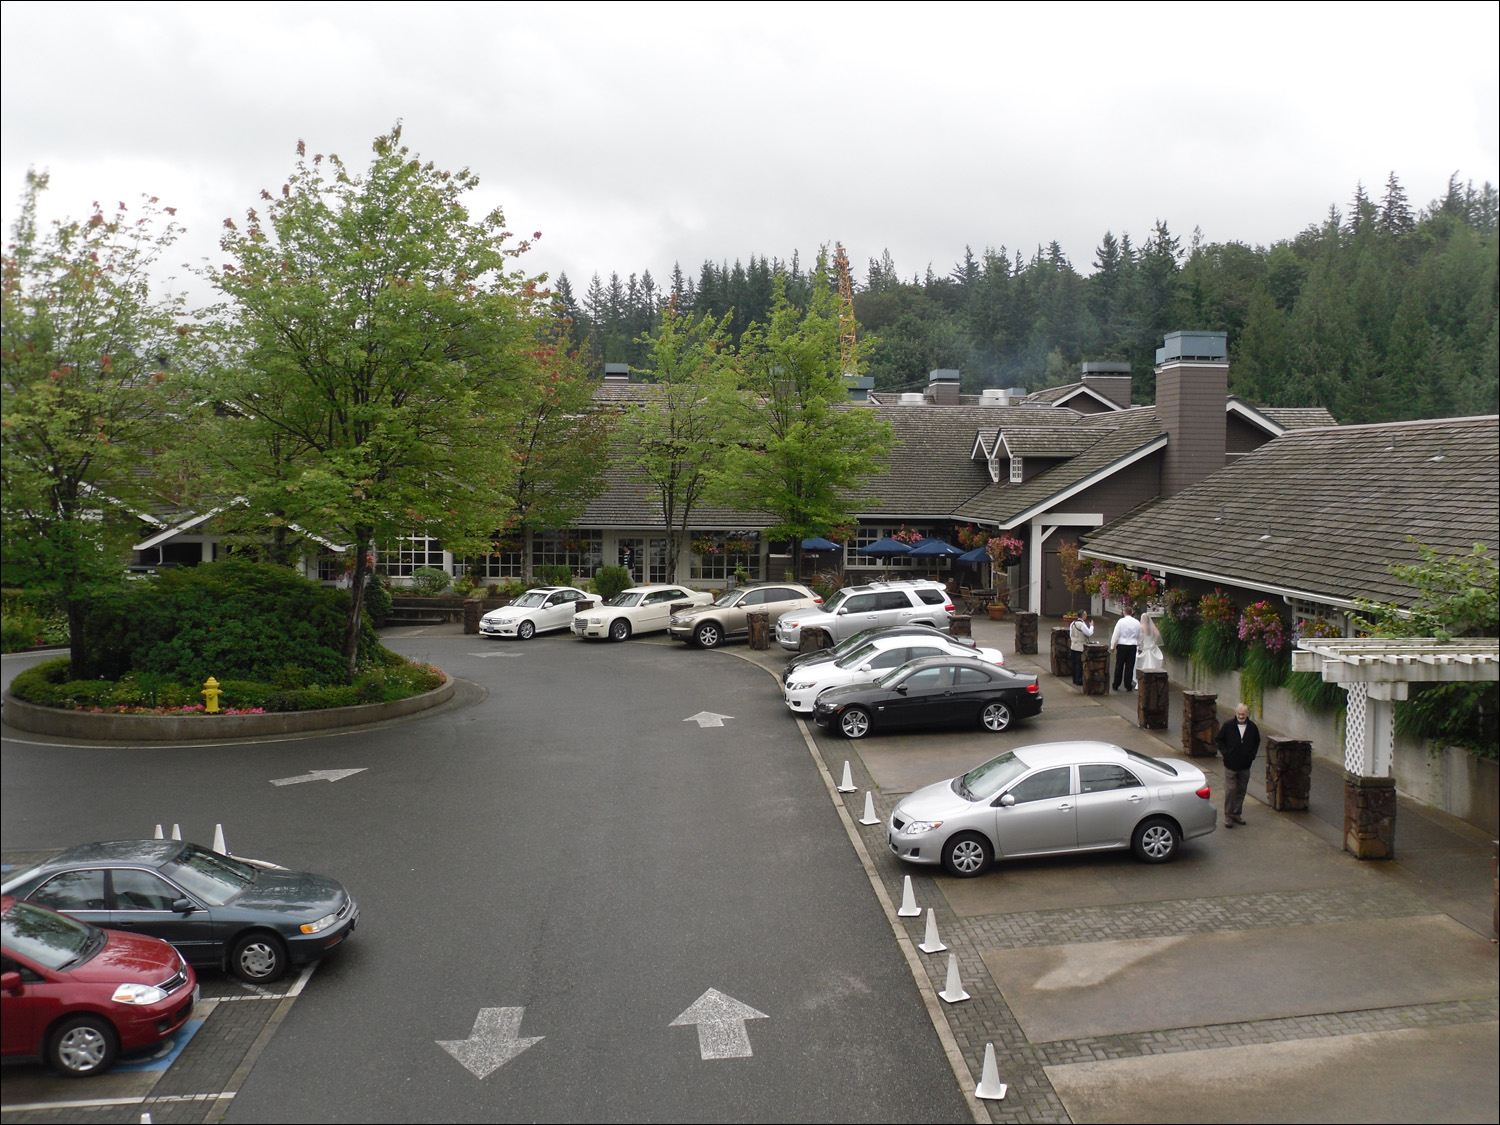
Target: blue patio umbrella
<point>820,544</point>
<point>935,549</point>
<point>886,548</point>
<point>977,555</point>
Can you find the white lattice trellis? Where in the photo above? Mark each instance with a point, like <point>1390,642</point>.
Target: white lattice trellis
<point>1356,728</point>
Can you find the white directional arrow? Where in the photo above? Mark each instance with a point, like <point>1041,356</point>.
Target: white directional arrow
<point>721,1025</point>
<point>317,775</point>
<point>707,719</point>
<point>495,1040</point>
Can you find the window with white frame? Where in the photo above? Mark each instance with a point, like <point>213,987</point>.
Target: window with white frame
<point>498,566</point>
<point>1015,470</point>
<point>718,554</point>
<point>866,534</point>
<point>580,550</point>
<point>410,553</point>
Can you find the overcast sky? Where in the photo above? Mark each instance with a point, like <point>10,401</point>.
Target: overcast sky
<point>634,136</point>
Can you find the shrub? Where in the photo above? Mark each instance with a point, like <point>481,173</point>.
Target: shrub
<point>611,580</point>
<point>554,574</point>
<point>1461,714</point>
<point>429,581</point>
<point>1309,690</point>
<point>378,599</point>
<point>1216,643</point>
<point>28,619</point>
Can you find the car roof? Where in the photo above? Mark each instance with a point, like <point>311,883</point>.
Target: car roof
<point>1065,753</point>
<point>958,658</point>
<point>152,852</point>
<point>655,586</point>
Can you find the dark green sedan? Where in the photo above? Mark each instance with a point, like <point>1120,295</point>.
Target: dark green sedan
<point>254,920</point>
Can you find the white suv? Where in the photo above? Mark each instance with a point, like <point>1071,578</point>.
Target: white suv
<point>869,607</point>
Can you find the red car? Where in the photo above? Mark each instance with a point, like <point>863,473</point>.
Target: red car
<point>75,995</point>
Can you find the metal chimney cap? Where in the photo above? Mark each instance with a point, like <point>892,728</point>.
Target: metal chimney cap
<point>943,375</point>
<point>1106,367</point>
<point>1208,347</point>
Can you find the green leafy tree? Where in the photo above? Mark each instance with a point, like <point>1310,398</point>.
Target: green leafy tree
<point>802,449</point>
<point>86,357</point>
<point>1453,596</point>
<point>379,329</point>
<point>676,439</point>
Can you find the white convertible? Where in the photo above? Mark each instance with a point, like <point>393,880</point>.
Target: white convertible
<point>641,609</point>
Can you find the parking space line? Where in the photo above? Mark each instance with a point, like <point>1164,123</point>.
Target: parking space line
<point>107,1103</point>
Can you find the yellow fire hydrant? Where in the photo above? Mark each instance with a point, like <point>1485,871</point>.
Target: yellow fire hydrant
<point>211,693</point>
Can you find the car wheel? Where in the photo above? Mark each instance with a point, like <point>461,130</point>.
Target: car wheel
<point>708,635</point>
<point>996,717</point>
<point>1155,841</point>
<point>258,958</point>
<point>855,722</point>
<point>526,630</point>
<point>619,629</point>
<point>968,854</point>
<point>82,1046</point>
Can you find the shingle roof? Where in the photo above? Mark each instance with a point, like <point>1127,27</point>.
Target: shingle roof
<point>1299,417</point>
<point>1048,441</point>
<point>1053,394</point>
<point>1118,435</point>
<point>1322,513</point>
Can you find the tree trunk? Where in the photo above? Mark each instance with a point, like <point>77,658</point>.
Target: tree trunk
<point>356,601</point>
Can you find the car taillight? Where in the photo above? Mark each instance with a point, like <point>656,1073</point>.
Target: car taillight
<point>1033,688</point>
<point>817,600</point>
<point>949,607</point>
<point>1204,792</point>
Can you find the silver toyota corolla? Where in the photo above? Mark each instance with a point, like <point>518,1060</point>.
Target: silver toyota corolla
<point>1053,798</point>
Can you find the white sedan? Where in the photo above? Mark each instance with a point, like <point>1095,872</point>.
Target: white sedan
<point>641,609</point>
<point>870,661</point>
<point>535,611</point>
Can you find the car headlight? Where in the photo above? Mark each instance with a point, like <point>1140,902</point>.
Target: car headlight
<point>918,827</point>
<point>802,686</point>
<point>320,925</point>
<point>676,619</point>
<point>138,994</point>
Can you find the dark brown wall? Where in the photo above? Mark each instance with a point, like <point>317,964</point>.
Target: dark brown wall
<point>1240,437</point>
<point>1190,406</point>
<point>1116,388</point>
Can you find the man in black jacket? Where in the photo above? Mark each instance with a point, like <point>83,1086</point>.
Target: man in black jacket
<point>1238,742</point>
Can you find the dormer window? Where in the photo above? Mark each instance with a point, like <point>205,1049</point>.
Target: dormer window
<point>1015,470</point>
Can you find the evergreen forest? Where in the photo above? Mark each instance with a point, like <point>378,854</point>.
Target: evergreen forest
<point>1380,312</point>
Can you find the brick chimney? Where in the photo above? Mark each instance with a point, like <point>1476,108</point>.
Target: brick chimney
<point>942,387</point>
<point>1110,379</point>
<point>1192,386</point>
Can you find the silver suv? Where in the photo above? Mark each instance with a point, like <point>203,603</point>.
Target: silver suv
<point>854,608</point>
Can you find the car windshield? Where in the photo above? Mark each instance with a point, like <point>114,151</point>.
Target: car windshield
<point>529,600</point>
<point>1155,763</point>
<point>623,600</point>
<point>212,877</point>
<point>983,782</point>
<point>50,939</point>
<point>833,603</point>
<point>729,598</point>
<point>855,658</point>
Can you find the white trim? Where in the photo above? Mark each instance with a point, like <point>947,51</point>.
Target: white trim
<point>1040,533</point>
<point>1084,389</point>
<point>1253,416</point>
<point>177,529</point>
<point>1087,482</point>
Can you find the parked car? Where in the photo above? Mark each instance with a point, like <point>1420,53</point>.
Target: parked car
<point>845,647</point>
<point>641,609</point>
<point>918,602</point>
<point>1051,799</point>
<point>931,692</point>
<point>218,911</point>
<point>535,611</point>
<point>711,625</point>
<point>75,996</point>
<point>877,656</point>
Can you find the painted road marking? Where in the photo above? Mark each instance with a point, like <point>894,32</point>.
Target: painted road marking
<point>317,775</point>
<point>487,655</point>
<point>720,1021</point>
<point>707,719</point>
<point>495,1040</point>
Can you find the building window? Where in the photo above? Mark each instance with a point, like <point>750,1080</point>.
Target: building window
<point>1015,470</point>
<point>495,567</point>
<point>718,554</point>
<point>581,551</point>
<point>409,554</point>
<point>864,535</point>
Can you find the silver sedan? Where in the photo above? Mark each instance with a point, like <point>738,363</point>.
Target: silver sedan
<point>1050,799</point>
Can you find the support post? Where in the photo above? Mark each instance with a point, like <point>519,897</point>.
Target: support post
<point>1288,774</point>
<point>1151,700</point>
<point>1200,723</point>
<point>1062,658</point>
<point>1095,669</point>
<point>1026,632</point>
<point>1369,816</point>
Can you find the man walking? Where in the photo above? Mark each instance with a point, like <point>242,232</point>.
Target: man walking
<point>1238,742</point>
<point>1124,641</point>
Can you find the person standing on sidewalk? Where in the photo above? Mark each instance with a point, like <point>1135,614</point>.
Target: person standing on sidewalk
<point>1238,741</point>
<point>1123,642</point>
<point>1079,633</point>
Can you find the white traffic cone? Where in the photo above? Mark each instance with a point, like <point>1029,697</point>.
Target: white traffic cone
<point>219,845</point>
<point>869,817</point>
<point>909,907</point>
<point>847,785</point>
<point>930,943</point>
<point>176,831</point>
<point>990,1086</point>
<point>158,835</point>
<point>954,992</point>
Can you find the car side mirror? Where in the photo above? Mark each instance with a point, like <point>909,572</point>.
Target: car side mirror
<point>184,906</point>
<point>10,982</point>
<point>1006,800</point>
<point>865,667</point>
<point>900,689</point>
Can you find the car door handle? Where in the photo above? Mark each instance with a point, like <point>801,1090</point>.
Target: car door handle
<point>1134,797</point>
<point>1066,805</point>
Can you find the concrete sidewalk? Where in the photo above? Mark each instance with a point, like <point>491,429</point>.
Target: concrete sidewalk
<point>1265,974</point>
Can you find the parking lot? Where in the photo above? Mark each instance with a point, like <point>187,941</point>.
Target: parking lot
<point>1262,975</point>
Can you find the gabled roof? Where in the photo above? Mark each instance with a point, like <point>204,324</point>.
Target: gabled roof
<point>1321,513</point>
<point>1060,396</point>
<point>1277,420</point>
<point>1047,441</point>
<point>1120,438</point>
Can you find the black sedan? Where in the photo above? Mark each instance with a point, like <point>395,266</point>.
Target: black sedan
<point>218,911</point>
<point>933,691</point>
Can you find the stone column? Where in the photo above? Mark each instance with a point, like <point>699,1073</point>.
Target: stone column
<point>1200,723</point>
<point>473,610</point>
<point>1095,669</point>
<point>1151,700</point>
<point>1026,633</point>
<point>1062,658</point>
<point>1288,773</point>
<point>1369,816</point>
<point>811,640</point>
<point>960,625</point>
<point>759,622</point>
